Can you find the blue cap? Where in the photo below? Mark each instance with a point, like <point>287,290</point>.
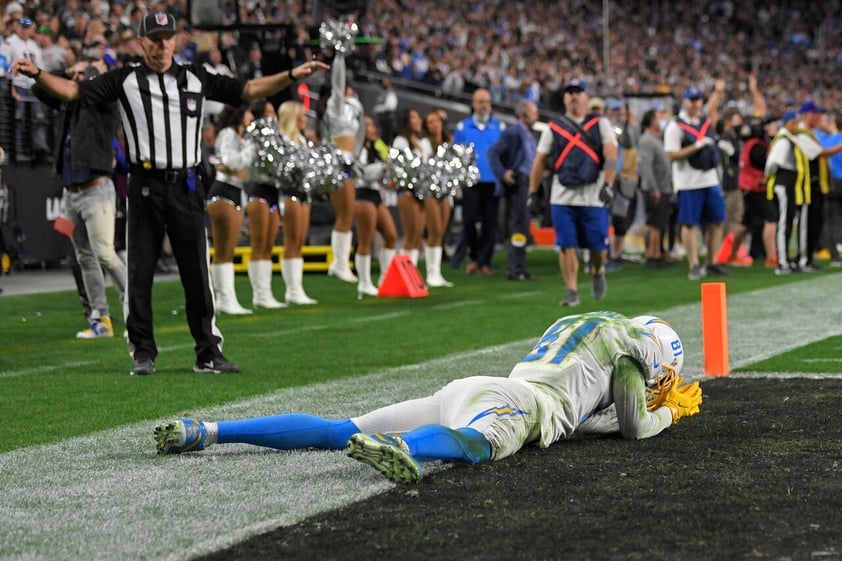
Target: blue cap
<point>575,84</point>
<point>614,104</point>
<point>810,107</point>
<point>693,93</point>
<point>788,116</point>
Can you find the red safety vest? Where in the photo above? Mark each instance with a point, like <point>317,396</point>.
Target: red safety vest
<point>574,160</point>
<point>750,178</point>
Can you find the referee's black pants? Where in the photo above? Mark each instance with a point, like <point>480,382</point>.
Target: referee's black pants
<point>156,207</point>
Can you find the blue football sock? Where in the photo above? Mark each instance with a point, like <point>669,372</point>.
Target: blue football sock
<point>289,431</point>
<point>437,442</point>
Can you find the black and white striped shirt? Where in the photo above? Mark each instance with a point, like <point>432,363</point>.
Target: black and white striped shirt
<point>162,113</point>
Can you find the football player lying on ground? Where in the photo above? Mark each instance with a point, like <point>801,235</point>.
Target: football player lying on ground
<point>581,366</point>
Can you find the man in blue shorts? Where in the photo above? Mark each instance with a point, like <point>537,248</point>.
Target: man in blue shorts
<point>691,147</point>
<point>581,150</point>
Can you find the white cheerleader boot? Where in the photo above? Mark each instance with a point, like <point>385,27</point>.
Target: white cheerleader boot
<point>434,277</point>
<point>364,287</point>
<point>340,243</point>
<point>223,284</point>
<point>413,255</point>
<point>260,275</point>
<point>386,256</point>
<point>293,272</point>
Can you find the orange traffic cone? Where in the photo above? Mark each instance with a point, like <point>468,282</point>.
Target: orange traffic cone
<point>402,280</point>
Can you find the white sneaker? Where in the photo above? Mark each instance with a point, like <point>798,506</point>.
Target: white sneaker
<point>99,329</point>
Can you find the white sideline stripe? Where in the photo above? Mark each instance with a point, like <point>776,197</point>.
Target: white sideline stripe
<point>108,496</point>
<point>45,368</point>
<point>381,317</point>
<point>459,304</point>
<point>823,360</point>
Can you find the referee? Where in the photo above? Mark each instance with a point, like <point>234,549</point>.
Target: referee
<point>161,108</point>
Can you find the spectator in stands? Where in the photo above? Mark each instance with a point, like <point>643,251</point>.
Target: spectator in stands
<point>385,111</point>
<point>225,198</point>
<point>30,124</point>
<point>481,201</point>
<point>581,150</point>
<point>214,65</point>
<point>510,158</point>
<point>233,55</point>
<point>691,147</point>
<point>253,67</point>
<point>53,55</point>
<point>292,122</point>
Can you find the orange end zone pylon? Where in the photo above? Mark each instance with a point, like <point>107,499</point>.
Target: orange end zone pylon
<point>402,280</point>
<point>715,329</point>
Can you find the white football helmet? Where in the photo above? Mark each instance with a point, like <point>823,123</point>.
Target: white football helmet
<point>672,351</point>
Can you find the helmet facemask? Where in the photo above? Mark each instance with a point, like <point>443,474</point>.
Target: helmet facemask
<point>671,359</point>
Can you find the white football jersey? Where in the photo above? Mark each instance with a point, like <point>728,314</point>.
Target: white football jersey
<point>572,367</point>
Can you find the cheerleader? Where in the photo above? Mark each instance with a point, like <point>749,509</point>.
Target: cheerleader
<point>436,209</point>
<point>340,116</point>
<point>235,155</point>
<point>264,221</point>
<point>410,204</point>
<point>371,213</point>
<point>292,120</point>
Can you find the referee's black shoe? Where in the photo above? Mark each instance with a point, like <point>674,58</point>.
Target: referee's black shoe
<point>142,367</point>
<point>217,365</point>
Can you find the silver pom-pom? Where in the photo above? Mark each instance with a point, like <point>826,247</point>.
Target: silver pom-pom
<point>408,171</point>
<point>270,149</point>
<point>291,172</point>
<point>455,167</point>
<point>325,169</point>
<point>338,35</point>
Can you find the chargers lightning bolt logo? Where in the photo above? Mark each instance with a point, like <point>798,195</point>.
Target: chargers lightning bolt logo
<point>500,411</point>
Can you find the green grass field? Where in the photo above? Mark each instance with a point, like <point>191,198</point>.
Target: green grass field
<point>54,386</point>
<point>96,480</point>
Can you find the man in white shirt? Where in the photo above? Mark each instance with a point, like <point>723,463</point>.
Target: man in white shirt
<point>214,65</point>
<point>30,124</point>
<point>581,149</point>
<point>690,146</point>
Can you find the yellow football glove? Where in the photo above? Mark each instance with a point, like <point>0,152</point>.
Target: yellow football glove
<point>683,401</point>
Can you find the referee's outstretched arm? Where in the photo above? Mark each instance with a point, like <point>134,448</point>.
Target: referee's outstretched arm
<point>266,86</point>
<point>62,88</point>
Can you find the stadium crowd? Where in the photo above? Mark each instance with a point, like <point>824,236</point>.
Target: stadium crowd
<point>514,51</point>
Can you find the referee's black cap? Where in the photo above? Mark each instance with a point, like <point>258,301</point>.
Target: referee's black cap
<point>158,22</point>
